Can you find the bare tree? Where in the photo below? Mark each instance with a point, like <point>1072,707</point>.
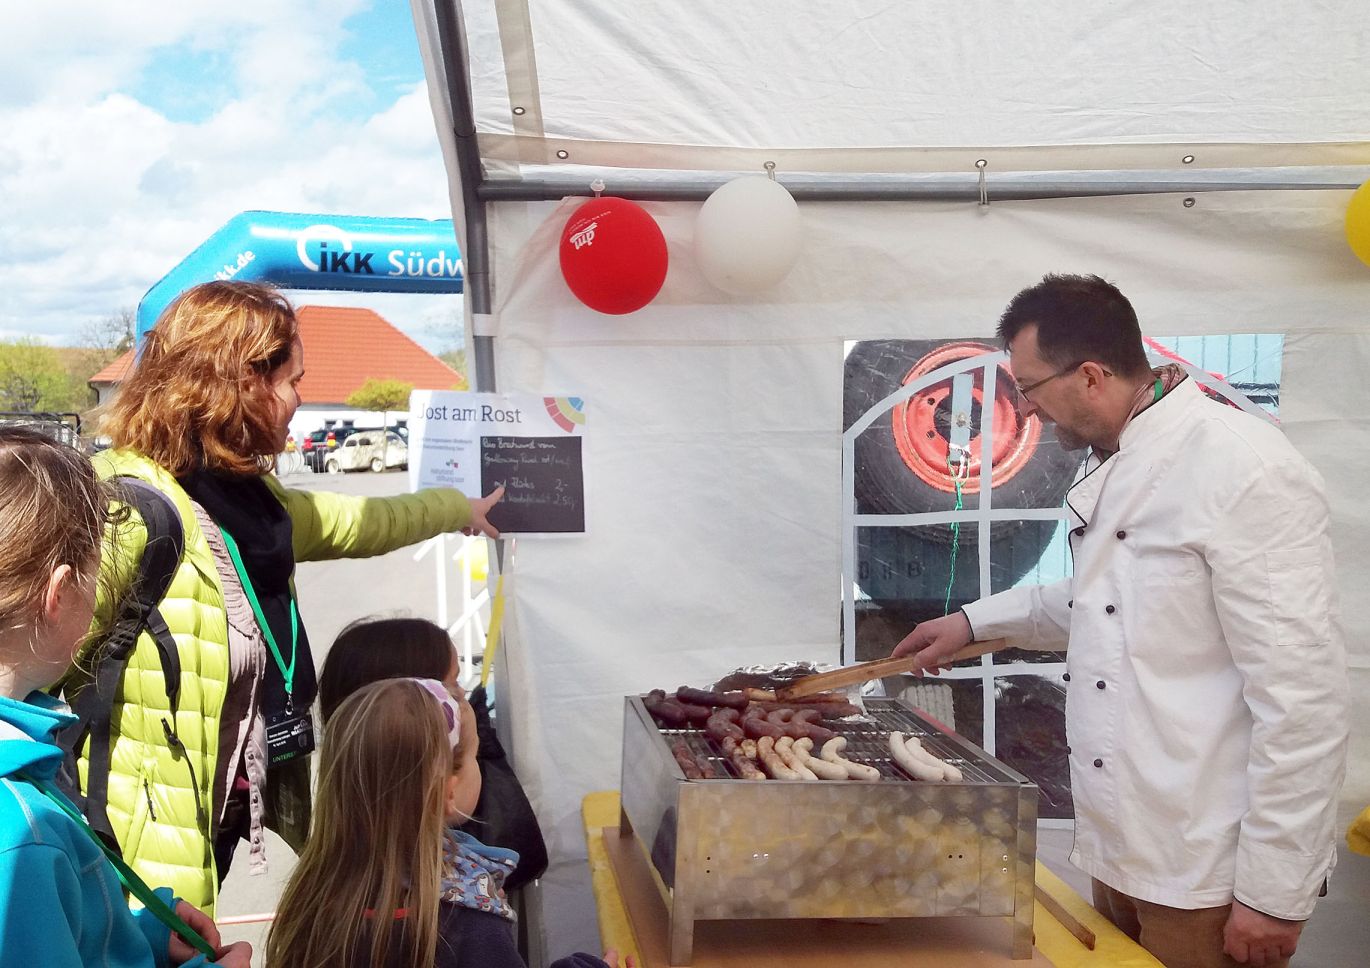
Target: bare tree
<point>108,338</point>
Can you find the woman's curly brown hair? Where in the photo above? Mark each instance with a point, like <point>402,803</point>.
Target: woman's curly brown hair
<point>199,394</point>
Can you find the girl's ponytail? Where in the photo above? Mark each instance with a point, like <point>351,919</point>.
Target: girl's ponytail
<point>54,513</point>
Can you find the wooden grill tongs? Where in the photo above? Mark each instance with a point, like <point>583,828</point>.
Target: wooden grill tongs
<point>865,671</point>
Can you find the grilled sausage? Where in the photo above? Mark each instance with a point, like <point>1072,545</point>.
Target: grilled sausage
<point>667,712</point>
<point>832,751</point>
<point>775,767</point>
<point>722,725</point>
<point>803,752</point>
<point>914,765</point>
<point>708,697</point>
<point>950,773</point>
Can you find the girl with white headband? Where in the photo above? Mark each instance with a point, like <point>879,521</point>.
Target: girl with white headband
<point>398,769</point>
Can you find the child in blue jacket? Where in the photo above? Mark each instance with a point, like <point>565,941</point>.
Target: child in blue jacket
<point>61,900</point>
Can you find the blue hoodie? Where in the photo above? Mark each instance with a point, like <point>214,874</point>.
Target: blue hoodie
<point>62,904</point>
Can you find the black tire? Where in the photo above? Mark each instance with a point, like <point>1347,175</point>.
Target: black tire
<point>911,565</point>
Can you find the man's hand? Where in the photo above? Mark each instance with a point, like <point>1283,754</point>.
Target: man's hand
<point>936,641</point>
<point>611,959</point>
<point>1258,939</point>
<point>480,509</point>
<point>179,949</point>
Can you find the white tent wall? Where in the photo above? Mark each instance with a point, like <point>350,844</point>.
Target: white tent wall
<point>713,475</point>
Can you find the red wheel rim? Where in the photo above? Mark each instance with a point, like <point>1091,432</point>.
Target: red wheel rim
<point>922,443</point>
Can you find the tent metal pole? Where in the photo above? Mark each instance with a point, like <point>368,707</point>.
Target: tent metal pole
<point>1001,189</point>
<point>476,254</point>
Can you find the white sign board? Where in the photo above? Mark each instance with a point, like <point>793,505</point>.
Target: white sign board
<point>476,442</point>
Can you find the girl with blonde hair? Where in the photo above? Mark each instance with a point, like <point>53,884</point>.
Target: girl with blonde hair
<point>60,887</point>
<point>398,769</point>
<point>198,764</point>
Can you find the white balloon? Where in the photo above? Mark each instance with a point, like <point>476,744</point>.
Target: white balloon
<point>747,235</point>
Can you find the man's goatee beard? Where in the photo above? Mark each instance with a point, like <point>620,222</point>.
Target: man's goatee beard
<point>1069,441</point>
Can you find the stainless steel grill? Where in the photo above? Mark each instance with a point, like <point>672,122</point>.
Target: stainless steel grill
<point>730,848</point>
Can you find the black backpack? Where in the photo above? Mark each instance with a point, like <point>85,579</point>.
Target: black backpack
<point>93,701</point>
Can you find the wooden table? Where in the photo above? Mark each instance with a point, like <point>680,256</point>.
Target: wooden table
<point>632,919</point>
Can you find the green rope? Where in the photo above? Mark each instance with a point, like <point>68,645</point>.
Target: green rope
<point>955,534</point>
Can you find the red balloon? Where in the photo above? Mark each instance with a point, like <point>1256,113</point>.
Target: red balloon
<point>613,255</point>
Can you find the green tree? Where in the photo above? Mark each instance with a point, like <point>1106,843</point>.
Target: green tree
<point>456,359</point>
<point>383,396</point>
<point>32,377</point>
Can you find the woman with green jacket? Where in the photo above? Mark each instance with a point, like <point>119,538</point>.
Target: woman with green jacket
<point>201,418</point>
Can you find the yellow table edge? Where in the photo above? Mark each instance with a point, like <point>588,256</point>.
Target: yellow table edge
<point>1113,949</point>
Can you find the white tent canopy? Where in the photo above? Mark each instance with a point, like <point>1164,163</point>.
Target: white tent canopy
<point>929,86</point>
<point>713,456</point>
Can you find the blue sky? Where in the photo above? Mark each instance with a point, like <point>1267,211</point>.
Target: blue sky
<point>135,128</point>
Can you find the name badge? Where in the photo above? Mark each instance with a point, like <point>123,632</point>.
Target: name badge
<point>288,735</point>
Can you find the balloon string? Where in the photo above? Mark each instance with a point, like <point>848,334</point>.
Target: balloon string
<point>956,475</point>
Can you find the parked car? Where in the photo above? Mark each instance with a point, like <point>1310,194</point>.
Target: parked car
<point>317,444</point>
<point>367,449</point>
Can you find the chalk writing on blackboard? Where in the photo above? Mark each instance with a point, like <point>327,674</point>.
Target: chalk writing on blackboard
<point>544,483</point>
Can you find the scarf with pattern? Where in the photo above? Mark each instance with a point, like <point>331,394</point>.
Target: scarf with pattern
<point>473,874</point>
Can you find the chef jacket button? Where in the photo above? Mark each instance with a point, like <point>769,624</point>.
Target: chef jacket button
<point>1109,609</point>
<point>1067,751</point>
<point>1121,535</point>
<point>1065,677</point>
<point>1099,763</point>
<point>1070,604</point>
<point>1079,531</point>
<point>1099,684</point>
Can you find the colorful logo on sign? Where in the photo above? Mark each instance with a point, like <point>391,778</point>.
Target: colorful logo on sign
<point>568,413</point>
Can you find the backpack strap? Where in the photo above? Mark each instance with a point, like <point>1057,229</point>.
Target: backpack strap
<point>93,705</point>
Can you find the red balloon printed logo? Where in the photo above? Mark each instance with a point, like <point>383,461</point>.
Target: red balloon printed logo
<point>613,256</point>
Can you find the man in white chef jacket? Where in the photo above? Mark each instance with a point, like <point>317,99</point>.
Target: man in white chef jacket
<point>1206,708</point>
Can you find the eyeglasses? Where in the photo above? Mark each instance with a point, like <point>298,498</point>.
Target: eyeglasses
<point>1023,391</point>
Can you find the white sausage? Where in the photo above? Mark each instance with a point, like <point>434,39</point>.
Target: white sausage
<point>916,767</point>
<point>774,765</point>
<point>823,769</point>
<point>855,771</point>
<point>784,746</point>
<point>950,773</point>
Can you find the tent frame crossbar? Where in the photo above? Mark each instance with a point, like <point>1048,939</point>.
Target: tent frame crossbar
<point>888,189</point>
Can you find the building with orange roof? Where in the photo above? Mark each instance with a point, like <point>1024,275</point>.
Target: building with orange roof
<point>343,348</point>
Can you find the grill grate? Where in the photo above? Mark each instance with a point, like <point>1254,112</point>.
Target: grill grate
<point>868,742</point>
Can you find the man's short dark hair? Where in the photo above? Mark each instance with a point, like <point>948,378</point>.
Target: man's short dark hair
<point>1079,319</point>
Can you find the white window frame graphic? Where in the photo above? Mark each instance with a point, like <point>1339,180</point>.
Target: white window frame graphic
<point>982,515</point>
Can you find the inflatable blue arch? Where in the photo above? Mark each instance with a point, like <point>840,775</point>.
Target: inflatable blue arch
<point>296,251</point>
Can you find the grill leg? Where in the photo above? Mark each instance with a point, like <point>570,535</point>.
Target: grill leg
<point>682,933</point>
<point>685,886</point>
<point>1026,873</point>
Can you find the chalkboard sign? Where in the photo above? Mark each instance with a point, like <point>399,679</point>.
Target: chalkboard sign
<point>544,483</point>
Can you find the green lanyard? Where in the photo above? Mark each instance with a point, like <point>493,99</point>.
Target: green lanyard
<point>1158,392</point>
<point>287,670</point>
<point>127,875</point>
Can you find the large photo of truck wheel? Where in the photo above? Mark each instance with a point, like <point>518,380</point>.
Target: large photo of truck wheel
<point>922,456</point>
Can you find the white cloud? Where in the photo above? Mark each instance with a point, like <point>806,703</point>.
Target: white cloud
<point>105,194</point>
